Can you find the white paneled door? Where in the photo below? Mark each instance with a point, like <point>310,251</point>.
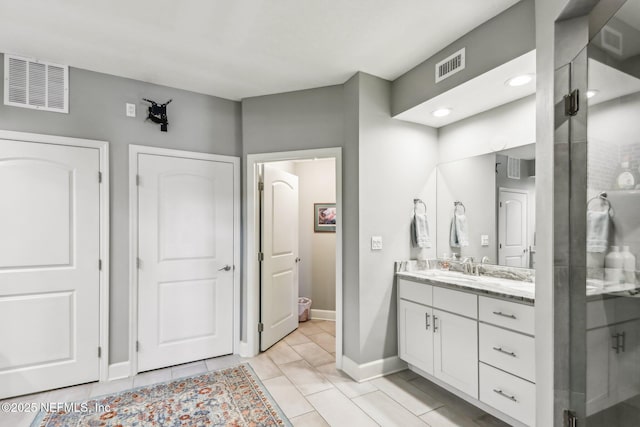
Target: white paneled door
<point>186,255</point>
<point>49,274</point>
<point>512,228</point>
<point>279,278</point>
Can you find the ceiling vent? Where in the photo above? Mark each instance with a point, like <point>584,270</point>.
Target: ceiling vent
<point>513,168</point>
<point>29,83</point>
<point>611,40</point>
<point>450,65</point>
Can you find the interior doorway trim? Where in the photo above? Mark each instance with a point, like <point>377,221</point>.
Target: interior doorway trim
<point>251,282</point>
<point>134,150</point>
<point>103,153</point>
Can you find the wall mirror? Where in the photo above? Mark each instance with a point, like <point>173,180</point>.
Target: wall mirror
<point>497,191</point>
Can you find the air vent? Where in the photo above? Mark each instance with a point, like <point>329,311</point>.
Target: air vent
<point>611,40</point>
<point>29,83</point>
<point>450,65</point>
<point>513,168</point>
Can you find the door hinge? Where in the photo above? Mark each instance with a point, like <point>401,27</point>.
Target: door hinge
<point>500,204</point>
<point>100,264</point>
<point>260,327</point>
<point>572,103</point>
<point>261,186</point>
<point>260,257</point>
<point>137,179</point>
<point>137,346</point>
<point>99,352</point>
<point>570,419</point>
<point>138,263</point>
<point>100,177</point>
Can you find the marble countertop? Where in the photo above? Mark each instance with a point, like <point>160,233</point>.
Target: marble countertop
<point>516,290</point>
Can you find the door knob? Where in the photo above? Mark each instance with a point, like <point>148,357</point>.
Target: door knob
<point>225,268</point>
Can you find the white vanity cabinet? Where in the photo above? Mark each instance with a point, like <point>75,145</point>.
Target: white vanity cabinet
<point>480,346</point>
<point>613,352</point>
<point>435,340</point>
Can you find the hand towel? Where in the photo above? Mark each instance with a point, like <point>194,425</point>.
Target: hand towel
<point>458,235</point>
<point>597,231</point>
<point>420,231</point>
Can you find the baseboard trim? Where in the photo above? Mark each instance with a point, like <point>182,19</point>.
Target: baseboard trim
<point>119,370</point>
<point>317,314</point>
<point>374,369</point>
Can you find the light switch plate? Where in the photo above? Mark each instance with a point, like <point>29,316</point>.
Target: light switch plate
<point>131,110</point>
<point>376,243</point>
<point>484,240</point>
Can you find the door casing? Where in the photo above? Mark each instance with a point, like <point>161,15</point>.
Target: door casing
<point>249,346</point>
<point>103,150</point>
<point>134,150</point>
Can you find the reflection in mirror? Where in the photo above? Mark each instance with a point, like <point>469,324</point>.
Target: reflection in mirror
<point>498,192</point>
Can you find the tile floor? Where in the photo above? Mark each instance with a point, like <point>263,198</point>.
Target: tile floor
<point>300,374</point>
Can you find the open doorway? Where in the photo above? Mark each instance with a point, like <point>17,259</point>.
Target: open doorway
<point>293,212</point>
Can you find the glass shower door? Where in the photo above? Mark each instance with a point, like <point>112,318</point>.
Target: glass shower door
<point>613,222</point>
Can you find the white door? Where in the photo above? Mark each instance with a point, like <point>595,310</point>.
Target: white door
<point>512,229</point>
<point>415,329</point>
<point>279,273</point>
<point>185,251</point>
<point>49,276</point>
<point>455,346</point>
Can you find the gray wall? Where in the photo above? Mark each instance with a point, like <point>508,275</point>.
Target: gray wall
<point>97,111</point>
<point>471,181</point>
<point>497,41</point>
<point>317,271</point>
<point>397,164</point>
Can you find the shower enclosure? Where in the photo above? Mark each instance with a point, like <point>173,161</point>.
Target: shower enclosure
<point>597,197</point>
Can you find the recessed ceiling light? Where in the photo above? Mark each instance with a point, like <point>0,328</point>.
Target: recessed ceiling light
<point>592,92</point>
<point>441,112</point>
<point>519,80</point>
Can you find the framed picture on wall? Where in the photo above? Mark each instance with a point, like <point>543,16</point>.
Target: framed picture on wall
<point>324,217</point>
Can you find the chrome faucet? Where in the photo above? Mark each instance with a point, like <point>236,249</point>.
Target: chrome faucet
<point>467,265</point>
<point>485,260</point>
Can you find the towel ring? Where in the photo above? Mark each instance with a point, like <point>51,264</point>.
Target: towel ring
<point>415,205</point>
<point>458,204</point>
<point>602,197</point>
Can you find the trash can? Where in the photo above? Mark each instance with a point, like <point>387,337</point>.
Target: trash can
<point>304,309</point>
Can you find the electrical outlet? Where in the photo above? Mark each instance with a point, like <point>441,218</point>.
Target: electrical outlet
<point>131,110</point>
<point>484,240</point>
<point>376,243</point>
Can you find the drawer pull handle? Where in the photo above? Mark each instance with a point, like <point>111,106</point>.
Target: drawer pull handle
<point>435,325</point>
<point>499,313</point>
<point>426,321</point>
<point>509,353</point>
<point>503,394</point>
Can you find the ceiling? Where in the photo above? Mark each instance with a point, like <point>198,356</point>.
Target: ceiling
<point>487,91</point>
<point>239,49</point>
<point>609,83</point>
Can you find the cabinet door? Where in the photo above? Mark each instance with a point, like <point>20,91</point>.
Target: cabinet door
<point>600,362</point>
<point>456,351</point>
<point>415,335</point>
<point>627,381</point>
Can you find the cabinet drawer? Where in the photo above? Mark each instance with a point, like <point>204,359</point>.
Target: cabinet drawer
<point>456,302</point>
<point>509,351</point>
<point>518,317</point>
<point>511,395</point>
<point>414,291</point>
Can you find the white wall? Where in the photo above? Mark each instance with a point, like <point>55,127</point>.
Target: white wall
<point>397,164</point>
<point>510,125</point>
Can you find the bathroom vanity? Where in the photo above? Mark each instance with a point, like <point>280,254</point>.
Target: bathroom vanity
<point>473,335</point>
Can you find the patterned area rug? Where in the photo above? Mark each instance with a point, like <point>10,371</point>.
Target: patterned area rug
<point>229,397</point>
